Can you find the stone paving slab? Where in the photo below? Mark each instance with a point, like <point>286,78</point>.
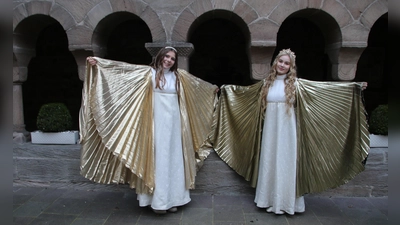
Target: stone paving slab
<point>58,166</point>
<point>48,189</point>
<point>38,205</point>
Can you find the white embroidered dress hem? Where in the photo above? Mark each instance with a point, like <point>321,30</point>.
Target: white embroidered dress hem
<point>170,190</point>
<point>276,185</point>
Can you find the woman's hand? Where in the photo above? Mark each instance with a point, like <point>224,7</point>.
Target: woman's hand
<point>216,90</point>
<point>364,85</point>
<point>91,60</point>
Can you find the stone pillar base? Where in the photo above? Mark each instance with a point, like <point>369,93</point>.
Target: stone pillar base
<point>20,135</point>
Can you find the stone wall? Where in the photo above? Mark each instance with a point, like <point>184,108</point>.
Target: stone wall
<point>170,21</point>
<point>345,25</point>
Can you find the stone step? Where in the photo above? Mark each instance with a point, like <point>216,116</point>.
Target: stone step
<point>58,166</point>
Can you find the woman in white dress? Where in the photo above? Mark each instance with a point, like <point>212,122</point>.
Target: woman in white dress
<point>170,190</point>
<point>257,134</point>
<point>175,155</point>
<point>276,185</point>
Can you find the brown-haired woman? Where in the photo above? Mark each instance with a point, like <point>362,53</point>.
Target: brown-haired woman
<point>135,127</point>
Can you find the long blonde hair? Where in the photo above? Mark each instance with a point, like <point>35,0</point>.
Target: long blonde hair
<point>290,89</point>
<point>157,65</point>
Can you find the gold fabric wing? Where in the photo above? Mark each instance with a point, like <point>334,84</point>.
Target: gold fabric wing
<point>332,134</point>
<point>116,126</point>
<point>196,100</point>
<point>237,125</point>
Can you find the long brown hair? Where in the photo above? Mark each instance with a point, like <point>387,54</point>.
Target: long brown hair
<point>157,65</point>
<point>290,89</point>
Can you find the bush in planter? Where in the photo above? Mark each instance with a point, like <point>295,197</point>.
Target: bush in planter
<point>379,120</point>
<point>54,117</point>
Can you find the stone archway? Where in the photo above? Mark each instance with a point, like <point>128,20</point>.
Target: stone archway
<point>52,74</point>
<point>315,38</point>
<point>221,48</point>
<point>373,65</point>
<point>29,20</point>
<point>122,36</point>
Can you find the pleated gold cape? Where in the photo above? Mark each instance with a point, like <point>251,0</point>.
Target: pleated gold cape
<point>332,132</point>
<point>116,124</point>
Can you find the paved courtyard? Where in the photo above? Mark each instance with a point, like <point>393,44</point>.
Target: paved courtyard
<point>48,189</point>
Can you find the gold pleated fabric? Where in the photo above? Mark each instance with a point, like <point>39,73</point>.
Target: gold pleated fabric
<point>237,125</point>
<point>332,133</point>
<point>116,124</point>
<point>197,101</point>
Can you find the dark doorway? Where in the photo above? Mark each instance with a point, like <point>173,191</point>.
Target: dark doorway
<point>52,76</point>
<point>373,66</point>
<point>307,41</point>
<point>127,42</point>
<point>220,55</point>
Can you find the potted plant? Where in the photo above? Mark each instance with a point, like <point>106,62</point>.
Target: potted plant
<point>378,126</point>
<point>54,123</point>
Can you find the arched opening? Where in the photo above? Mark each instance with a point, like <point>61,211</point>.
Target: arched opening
<point>122,37</point>
<point>373,66</point>
<point>52,73</point>
<point>314,36</point>
<point>306,40</point>
<point>220,49</point>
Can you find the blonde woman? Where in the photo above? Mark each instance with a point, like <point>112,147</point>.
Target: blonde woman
<point>290,136</point>
<point>277,172</point>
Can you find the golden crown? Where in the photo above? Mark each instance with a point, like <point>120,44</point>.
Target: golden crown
<point>287,52</point>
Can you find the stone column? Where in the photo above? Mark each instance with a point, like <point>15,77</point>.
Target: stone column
<point>261,57</point>
<point>332,50</point>
<point>80,58</point>
<point>19,76</point>
<point>21,59</point>
<point>348,59</point>
<point>184,51</point>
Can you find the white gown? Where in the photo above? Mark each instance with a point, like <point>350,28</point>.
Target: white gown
<point>276,185</point>
<point>170,190</point>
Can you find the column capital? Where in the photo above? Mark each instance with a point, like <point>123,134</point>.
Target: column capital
<point>22,56</point>
<point>184,49</point>
<point>80,58</point>
<point>261,57</point>
<point>348,59</point>
<point>20,74</point>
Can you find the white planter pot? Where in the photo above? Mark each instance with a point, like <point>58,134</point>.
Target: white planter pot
<point>378,141</point>
<point>66,137</point>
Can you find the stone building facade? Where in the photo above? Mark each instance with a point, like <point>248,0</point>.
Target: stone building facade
<point>342,29</point>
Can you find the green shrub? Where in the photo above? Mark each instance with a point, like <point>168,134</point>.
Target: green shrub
<point>54,117</point>
<point>379,120</point>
